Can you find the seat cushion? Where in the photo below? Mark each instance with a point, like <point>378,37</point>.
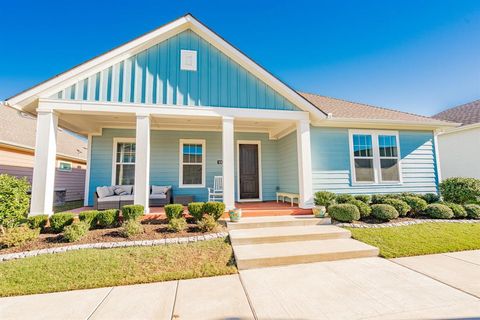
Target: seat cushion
<point>128,197</point>
<point>160,189</point>
<point>158,196</point>
<point>109,199</point>
<point>105,192</point>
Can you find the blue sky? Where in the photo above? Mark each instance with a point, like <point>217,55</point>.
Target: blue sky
<point>416,56</point>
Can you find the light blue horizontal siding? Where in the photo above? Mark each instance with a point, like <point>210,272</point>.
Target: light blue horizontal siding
<point>164,161</point>
<point>288,163</point>
<point>153,76</point>
<point>331,163</point>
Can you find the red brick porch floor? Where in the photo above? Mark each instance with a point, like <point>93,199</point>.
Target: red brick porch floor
<point>249,209</point>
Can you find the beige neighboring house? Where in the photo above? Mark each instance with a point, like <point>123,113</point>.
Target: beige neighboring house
<point>460,147</point>
<point>17,146</point>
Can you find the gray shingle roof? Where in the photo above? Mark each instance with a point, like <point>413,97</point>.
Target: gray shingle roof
<point>468,113</point>
<point>18,128</point>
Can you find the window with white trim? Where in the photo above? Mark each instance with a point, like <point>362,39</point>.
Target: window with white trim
<point>124,162</point>
<point>192,163</point>
<point>375,156</point>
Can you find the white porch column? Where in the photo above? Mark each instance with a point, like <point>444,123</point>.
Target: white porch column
<point>44,165</point>
<point>228,163</point>
<point>304,164</point>
<point>142,162</point>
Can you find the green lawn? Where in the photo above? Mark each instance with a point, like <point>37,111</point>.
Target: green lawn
<point>68,206</point>
<point>92,268</point>
<point>426,238</point>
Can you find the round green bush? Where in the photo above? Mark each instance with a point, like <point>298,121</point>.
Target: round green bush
<point>430,197</point>
<point>131,228</point>
<point>107,218</point>
<point>38,221</point>
<point>344,212</point>
<point>364,208</point>
<point>344,198</point>
<point>439,211</point>
<point>76,231</point>
<point>174,211</point>
<point>324,198</point>
<point>195,209</point>
<point>207,224</point>
<point>177,224</point>
<point>384,212</point>
<point>379,198</point>
<point>417,204</point>
<point>214,209</point>
<point>401,206</point>
<point>59,221</point>
<point>132,212</point>
<point>457,209</point>
<point>365,198</point>
<point>14,200</point>
<point>473,211</point>
<point>89,217</point>
<point>460,190</point>
<point>18,236</point>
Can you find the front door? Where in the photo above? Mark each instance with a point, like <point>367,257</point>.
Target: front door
<point>248,172</point>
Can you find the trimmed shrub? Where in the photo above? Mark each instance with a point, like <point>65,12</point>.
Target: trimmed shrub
<point>174,211</point>
<point>59,221</point>
<point>401,206</point>
<point>379,198</point>
<point>89,217</point>
<point>107,218</point>
<point>132,212</point>
<point>365,198</point>
<point>207,224</point>
<point>430,197</point>
<point>473,211</point>
<point>76,231</point>
<point>344,212</point>
<point>364,208</point>
<point>14,200</point>
<point>214,209</point>
<point>38,221</point>
<point>131,228</point>
<point>460,190</point>
<point>17,236</point>
<point>417,204</point>
<point>195,209</point>
<point>177,224</point>
<point>344,198</point>
<point>384,212</point>
<point>439,211</point>
<point>324,198</point>
<point>457,209</point>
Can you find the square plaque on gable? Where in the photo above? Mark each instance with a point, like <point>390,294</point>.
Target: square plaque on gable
<point>188,60</point>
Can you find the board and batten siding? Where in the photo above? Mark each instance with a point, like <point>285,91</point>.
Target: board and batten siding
<point>331,163</point>
<point>153,76</point>
<point>288,163</point>
<point>165,162</point>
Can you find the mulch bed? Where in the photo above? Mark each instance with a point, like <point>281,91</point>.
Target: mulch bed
<point>153,229</point>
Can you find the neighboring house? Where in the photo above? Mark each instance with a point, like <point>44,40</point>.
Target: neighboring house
<point>17,146</point>
<point>460,147</point>
<point>180,105</point>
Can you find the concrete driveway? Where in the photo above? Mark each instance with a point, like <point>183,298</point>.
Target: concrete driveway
<point>367,288</point>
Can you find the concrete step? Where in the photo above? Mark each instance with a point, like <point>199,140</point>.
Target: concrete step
<point>277,221</point>
<point>286,253</point>
<point>286,234</point>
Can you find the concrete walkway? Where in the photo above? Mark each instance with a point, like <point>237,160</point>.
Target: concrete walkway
<point>366,288</point>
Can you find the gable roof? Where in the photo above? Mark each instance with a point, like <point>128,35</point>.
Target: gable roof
<point>339,108</point>
<point>468,113</point>
<point>18,129</point>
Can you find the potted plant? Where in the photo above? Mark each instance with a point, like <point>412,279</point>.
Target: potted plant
<point>235,214</point>
<point>322,200</point>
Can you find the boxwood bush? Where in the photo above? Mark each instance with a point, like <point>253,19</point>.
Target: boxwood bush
<point>75,231</point>
<point>379,198</point>
<point>457,209</point>
<point>59,221</point>
<point>177,224</point>
<point>195,209</point>
<point>108,218</point>
<point>460,190</point>
<point>131,228</point>
<point>324,198</point>
<point>14,200</point>
<point>439,211</point>
<point>214,209</point>
<point>344,212</point>
<point>132,212</point>
<point>18,236</point>
<point>430,197</point>
<point>174,211</point>
<point>364,208</point>
<point>417,205</point>
<point>384,212</point>
<point>401,206</point>
<point>344,198</point>
<point>473,211</point>
<point>366,198</point>
<point>38,221</point>
<point>207,224</point>
<point>89,217</point>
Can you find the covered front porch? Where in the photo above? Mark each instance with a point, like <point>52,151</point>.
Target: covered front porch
<point>257,153</point>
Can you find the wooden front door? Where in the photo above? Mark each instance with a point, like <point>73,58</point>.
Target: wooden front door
<point>248,171</point>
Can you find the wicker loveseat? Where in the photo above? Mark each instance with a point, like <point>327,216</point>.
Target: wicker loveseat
<point>115,197</point>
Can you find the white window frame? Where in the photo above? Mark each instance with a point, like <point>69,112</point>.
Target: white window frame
<point>180,162</point>
<point>377,174</point>
<point>116,141</point>
<point>65,170</point>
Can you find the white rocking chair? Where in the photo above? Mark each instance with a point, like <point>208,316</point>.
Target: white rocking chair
<point>216,193</point>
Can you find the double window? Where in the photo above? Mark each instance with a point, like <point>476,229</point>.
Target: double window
<point>192,163</point>
<point>375,156</point>
<point>124,161</point>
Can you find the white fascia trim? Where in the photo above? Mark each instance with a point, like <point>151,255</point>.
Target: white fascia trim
<point>427,125</point>
<point>461,128</point>
<point>260,185</point>
<point>180,162</point>
<point>18,146</point>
